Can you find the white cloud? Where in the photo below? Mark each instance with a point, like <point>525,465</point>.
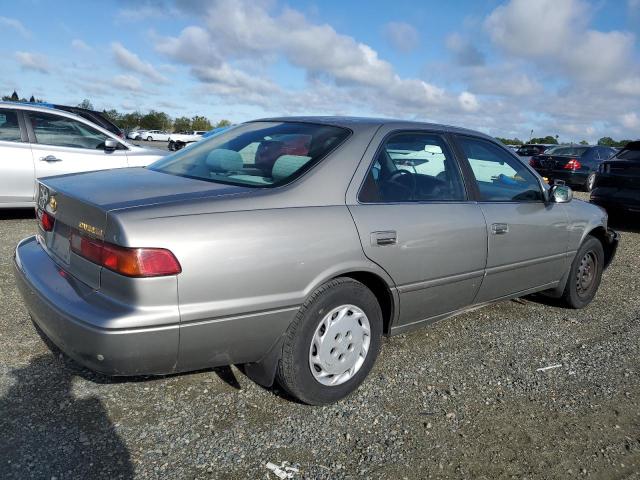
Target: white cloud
<point>468,101</point>
<point>130,61</point>
<point>555,35</point>
<point>127,82</point>
<point>80,45</point>
<point>16,25</point>
<point>33,61</point>
<point>402,36</point>
<point>630,120</point>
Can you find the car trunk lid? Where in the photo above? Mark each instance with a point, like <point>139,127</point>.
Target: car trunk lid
<point>80,206</point>
<point>619,173</point>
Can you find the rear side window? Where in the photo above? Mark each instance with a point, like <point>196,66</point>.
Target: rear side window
<point>499,176</point>
<point>256,154</point>
<point>61,131</point>
<point>413,167</point>
<point>9,127</point>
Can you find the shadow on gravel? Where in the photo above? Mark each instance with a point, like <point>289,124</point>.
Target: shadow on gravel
<point>46,432</point>
<point>17,213</point>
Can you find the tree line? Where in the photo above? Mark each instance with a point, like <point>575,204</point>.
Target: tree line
<point>152,120</point>
<point>550,140</point>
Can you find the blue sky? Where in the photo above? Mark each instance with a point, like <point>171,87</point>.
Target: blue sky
<point>562,67</point>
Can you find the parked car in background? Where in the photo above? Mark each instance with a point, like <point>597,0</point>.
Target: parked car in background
<point>136,134</point>
<point>155,136</point>
<point>179,139</point>
<point>617,182</point>
<point>525,152</point>
<point>40,141</point>
<point>576,165</point>
<point>291,245</point>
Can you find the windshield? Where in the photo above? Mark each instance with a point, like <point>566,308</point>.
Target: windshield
<point>256,154</point>
<point>573,151</point>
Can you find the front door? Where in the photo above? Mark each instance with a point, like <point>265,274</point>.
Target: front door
<point>528,238</point>
<point>66,145</point>
<point>415,221</point>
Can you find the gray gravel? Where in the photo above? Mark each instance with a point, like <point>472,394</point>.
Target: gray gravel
<point>459,399</point>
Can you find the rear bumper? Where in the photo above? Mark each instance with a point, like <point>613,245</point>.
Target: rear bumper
<point>616,200</point>
<point>74,318</point>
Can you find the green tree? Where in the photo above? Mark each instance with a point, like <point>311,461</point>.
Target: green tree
<point>32,99</point>
<point>548,140</point>
<point>200,123</point>
<point>114,116</point>
<point>584,142</point>
<point>155,120</point>
<point>223,123</point>
<point>181,124</point>
<point>607,142</point>
<point>129,121</point>
<point>86,104</point>
<point>14,96</point>
<point>510,141</point>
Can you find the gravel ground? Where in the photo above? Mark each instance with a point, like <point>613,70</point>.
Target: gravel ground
<point>459,399</point>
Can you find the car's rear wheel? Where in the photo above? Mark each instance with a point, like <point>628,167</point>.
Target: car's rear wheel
<point>332,344</point>
<point>590,182</point>
<point>149,138</point>
<point>585,274</point>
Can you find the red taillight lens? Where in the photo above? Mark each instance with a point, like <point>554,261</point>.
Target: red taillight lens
<point>573,164</point>
<point>132,262</point>
<point>532,162</point>
<point>46,221</point>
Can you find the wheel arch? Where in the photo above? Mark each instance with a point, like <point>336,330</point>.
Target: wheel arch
<point>602,235</point>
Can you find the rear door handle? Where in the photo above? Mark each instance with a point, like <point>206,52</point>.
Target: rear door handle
<point>499,228</point>
<point>50,158</point>
<point>389,237</point>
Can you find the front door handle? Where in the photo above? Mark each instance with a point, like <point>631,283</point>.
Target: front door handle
<point>499,228</point>
<point>50,158</point>
<point>389,237</point>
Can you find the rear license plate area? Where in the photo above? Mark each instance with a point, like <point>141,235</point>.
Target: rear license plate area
<point>59,242</point>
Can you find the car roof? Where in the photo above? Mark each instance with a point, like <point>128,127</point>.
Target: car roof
<point>353,122</point>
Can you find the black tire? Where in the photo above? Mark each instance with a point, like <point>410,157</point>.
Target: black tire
<point>588,186</point>
<point>294,370</point>
<point>149,139</point>
<point>585,274</point>
<point>171,146</point>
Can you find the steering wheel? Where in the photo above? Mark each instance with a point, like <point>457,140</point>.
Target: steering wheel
<point>395,179</point>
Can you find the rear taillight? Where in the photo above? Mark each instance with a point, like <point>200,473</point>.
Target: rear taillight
<point>46,221</point>
<point>532,162</point>
<point>131,262</point>
<point>573,164</point>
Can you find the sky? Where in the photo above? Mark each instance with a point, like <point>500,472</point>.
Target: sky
<point>558,67</point>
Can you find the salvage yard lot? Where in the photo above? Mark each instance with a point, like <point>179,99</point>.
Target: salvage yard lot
<point>459,399</point>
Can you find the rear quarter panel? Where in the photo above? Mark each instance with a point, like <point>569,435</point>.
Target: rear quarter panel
<point>245,273</point>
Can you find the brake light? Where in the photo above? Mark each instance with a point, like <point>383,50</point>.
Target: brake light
<point>532,162</point>
<point>131,262</point>
<point>46,221</point>
<point>573,164</point>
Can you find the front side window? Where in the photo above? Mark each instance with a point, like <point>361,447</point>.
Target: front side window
<point>256,154</point>
<point>9,127</point>
<point>413,167</point>
<point>60,131</point>
<point>499,176</point>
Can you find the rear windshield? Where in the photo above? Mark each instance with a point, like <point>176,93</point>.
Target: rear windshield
<point>257,154</point>
<point>572,151</point>
<point>631,154</point>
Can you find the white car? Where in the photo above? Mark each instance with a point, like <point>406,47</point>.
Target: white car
<point>181,139</point>
<point>135,134</point>
<point>38,141</point>
<point>155,135</point>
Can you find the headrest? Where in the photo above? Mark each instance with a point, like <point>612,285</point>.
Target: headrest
<point>223,160</point>
<point>286,165</point>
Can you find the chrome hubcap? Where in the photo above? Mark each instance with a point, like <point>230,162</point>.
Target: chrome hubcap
<point>339,345</point>
<point>586,273</point>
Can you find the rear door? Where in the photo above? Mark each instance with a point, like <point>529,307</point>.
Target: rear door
<point>416,221</point>
<point>62,144</point>
<point>16,161</point>
<point>528,238</point>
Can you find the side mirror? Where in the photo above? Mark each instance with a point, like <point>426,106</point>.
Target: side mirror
<point>110,145</point>
<point>560,194</point>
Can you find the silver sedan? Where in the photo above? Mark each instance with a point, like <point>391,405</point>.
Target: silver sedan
<point>292,245</point>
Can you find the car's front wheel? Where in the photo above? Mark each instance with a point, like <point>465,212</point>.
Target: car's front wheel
<point>585,274</point>
<point>332,344</point>
<point>149,138</point>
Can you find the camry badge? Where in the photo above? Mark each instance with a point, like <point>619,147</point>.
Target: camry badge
<point>90,229</point>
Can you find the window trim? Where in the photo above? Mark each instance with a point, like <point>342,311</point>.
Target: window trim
<point>469,171</point>
<point>454,157</point>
